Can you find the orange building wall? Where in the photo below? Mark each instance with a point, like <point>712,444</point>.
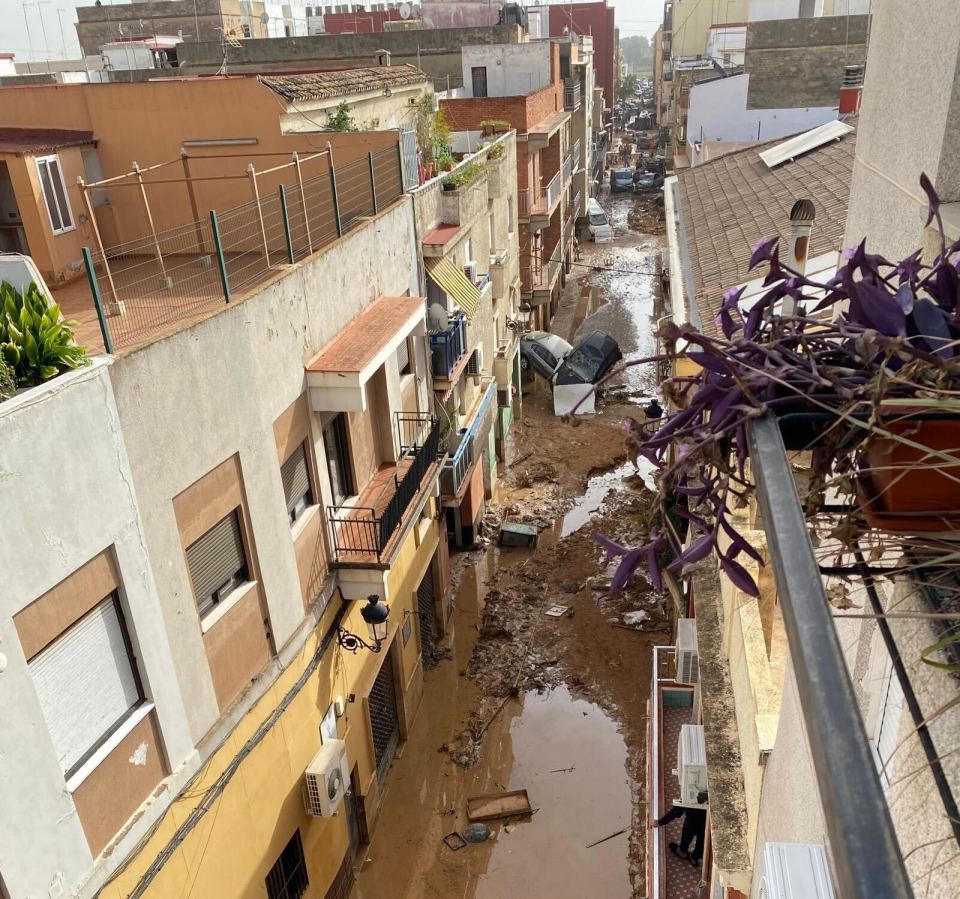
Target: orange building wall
<point>147,123</point>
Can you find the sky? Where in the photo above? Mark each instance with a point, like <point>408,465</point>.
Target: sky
<point>46,26</point>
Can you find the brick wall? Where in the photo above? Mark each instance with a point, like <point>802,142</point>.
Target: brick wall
<point>799,62</point>
<point>521,112</point>
<point>596,19</point>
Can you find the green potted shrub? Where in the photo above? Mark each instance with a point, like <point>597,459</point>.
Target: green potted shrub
<point>36,342</point>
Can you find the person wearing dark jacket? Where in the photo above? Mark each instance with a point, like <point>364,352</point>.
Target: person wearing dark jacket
<point>694,828</point>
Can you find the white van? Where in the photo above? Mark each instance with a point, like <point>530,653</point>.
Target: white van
<point>597,223</point>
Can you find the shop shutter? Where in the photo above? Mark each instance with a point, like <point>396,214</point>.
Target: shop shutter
<point>296,482</point>
<point>85,683</point>
<point>216,556</point>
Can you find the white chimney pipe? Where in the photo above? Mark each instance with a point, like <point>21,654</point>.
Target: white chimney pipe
<point>802,216</point>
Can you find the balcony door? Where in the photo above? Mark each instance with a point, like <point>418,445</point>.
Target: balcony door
<point>338,458</point>
<point>479,74</point>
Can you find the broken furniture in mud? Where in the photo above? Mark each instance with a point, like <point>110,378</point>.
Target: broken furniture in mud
<point>493,806</point>
<point>515,534</point>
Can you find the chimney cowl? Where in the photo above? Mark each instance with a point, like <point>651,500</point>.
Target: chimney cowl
<point>803,212</point>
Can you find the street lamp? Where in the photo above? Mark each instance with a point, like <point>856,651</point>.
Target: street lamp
<point>521,324</point>
<point>375,613</point>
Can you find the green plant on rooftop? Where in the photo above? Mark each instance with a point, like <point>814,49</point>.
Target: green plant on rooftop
<point>861,372</point>
<point>342,120</point>
<point>496,151</point>
<point>8,382</point>
<point>36,342</point>
<point>432,129</point>
<point>467,175</point>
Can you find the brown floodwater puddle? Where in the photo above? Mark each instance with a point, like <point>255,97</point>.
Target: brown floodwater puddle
<point>568,754</point>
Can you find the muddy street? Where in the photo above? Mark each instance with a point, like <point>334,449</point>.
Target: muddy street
<point>521,699</point>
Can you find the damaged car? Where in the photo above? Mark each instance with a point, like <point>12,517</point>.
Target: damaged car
<point>571,371</point>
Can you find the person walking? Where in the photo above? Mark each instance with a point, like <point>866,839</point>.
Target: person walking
<point>694,829</point>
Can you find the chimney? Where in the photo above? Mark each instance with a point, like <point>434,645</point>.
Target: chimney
<point>801,224</point>
<point>852,90</point>
<point>382,58</point>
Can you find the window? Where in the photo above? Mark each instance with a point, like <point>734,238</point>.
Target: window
<point>510,215</point>
<point>217,563</point>
<point>886,734</point>
<point>86,683</point>
<point>55,193</point>
<point>490,233</point>
<point>288,877</point>
<point>296,483</point>
<point>468,251</point>
<point>479,74</point>
<point>338,458</point>
<point>246,30</point>
<point>403,357</point>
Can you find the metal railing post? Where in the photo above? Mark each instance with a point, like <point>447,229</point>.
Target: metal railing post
<point>252,172</point>
<point>373,183</point>
<point>286,223</point>
<point>97,299</point>
<point>221,261</point>
<point>336,201</point>
<point>303,200</point>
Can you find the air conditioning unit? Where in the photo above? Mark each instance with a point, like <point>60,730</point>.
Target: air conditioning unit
<point>475,362</point>
<point>470,270</point>
<point>688,659</point>
<point>795,871</point>
<point>692,762</point>
<point>327,779</point>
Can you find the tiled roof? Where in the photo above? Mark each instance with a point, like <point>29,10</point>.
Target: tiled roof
<point>29,141</point>
<point>323,85</point>
<point>358,344</point>
<point>730,203</point>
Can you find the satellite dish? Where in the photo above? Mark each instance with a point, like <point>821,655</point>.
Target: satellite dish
<point>439,316</point>
<point>405,10</point>
<point>264,19</point>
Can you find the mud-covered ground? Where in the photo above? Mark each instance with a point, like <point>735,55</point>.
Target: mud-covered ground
<point>553,705</point>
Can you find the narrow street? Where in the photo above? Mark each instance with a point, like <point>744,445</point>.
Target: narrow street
<point>521,700</point>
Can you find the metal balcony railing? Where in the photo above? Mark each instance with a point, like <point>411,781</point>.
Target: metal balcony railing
<point>576,153</point>
<point>539,202</point>
<point>567,169</point>
<point>363,533</point>
<point>855,809</point>
<point>448,347</point>
<point>571,95</point>
<point>551,193</point>
<point>455,468</point>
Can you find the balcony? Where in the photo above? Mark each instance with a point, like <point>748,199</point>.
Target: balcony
<point>455,473</point>
<point>567,169</point>
<point>368,533</point>
<point>543,274</point>
<point>539,203</point>
<point>571,95</point>
<point>448,347</point>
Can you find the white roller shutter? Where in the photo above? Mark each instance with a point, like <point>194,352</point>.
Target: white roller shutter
<point>888,724</point>
<point>85,683</point>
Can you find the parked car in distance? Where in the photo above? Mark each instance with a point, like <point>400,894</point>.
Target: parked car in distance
<point>647,182</point>
<point>597,225</point>
<point>621,180</point>
<point>558,362</point>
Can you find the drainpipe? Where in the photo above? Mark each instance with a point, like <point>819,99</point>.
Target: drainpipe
<point>801,224</point>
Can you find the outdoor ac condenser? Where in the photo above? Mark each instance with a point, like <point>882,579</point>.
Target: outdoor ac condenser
<point>795,871</point>
<point>691,763</point>
<point>327,779</point>
<point>688,659</point>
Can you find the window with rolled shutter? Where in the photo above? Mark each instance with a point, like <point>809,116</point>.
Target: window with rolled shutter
<point>86,683</point>
<point>296,483</point>
<point>217,562</point>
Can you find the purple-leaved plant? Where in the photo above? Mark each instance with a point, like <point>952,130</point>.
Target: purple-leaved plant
<point>874,331</point>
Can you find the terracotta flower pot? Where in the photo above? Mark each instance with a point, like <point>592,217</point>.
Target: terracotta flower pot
<point>905,488</point>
